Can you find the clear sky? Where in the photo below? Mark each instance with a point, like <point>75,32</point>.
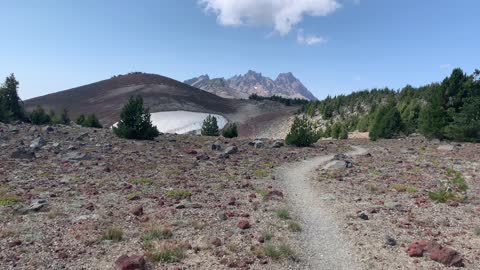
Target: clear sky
<point>332,46</point>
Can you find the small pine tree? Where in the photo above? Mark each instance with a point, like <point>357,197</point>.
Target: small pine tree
<point>80,120</point>
<point>91,121</point>
<point>230,131</point>
<point>5,114</point>
<point>343,135</point>
<point>336,128</point>
<point>302,133</point>
<point>362,124</point>
<point>40,117</point>
<point>387,122</point>
<point>10,99</point>
<point>210,126</point>
<point>135,121</point>
<point>432,120</point>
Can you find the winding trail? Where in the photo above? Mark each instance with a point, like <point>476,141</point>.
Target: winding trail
<point>325,247</point>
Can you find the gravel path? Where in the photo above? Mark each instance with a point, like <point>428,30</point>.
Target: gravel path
<point>323,245</point>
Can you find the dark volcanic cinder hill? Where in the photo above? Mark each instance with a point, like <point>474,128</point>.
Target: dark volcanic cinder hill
<point>242,86</point>
<point>107,97</point>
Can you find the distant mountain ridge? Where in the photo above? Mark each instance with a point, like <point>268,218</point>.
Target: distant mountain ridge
<point>242,86</point>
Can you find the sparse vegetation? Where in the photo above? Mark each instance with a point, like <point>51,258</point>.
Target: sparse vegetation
<point>157,233</point>
<point>403,187</point>
<point>141,180</point>
<point>294,226</point>
<point>261,173</point>
<point>453,190</point>
<point>166,252</point>
<point>278,252</point>
<point>135,121</point>
<point>179,193</point>
<point>114,234</point>
<point>283,213</point>
<point>8,199</point>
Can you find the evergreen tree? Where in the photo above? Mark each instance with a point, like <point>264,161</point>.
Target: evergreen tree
<point>432,120</point>
<point>336,128</point>
<point>80,120</point>
<point>135,121</point>
<point>210,126</point>
<point>10,99</point>
<point>363,123</point>
<point>91,121</point>
<point>387,123</point>
<point>302,133</point>
<point>5,114</point>
<point>466,124</point>
<point>230,131</point>
<point>40,117</point>
<point>343,135</point>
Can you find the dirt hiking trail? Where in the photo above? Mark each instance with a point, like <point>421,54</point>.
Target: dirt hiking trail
<point>324,246</point>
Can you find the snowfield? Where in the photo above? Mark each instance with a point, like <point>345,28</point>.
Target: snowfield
<point>182,122</point>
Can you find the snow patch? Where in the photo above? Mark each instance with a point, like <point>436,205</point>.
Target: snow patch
<point>182,122</point>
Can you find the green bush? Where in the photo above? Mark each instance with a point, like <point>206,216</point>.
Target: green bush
<point>90,121</point>
<point>40,117</point>
<point>135,121</point>
<point>61,119</point>
<point>210,126</point>
<point>302,133</point>
<point>230,131</point>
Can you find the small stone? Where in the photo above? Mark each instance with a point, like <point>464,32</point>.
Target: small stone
<point>134,262</point>
<point>137,211</point>
<point>216,242</point>
<point>390,241</point>
<point>278,144</point>
<point>243,224</point>
<point>363,216</point>
<point>89,206</point>
<point>216,146</point>
<point>231,150</point>
<point>38,143</point>
<point>22,153</point>
<point>14,243</point>
<point>203,157</point>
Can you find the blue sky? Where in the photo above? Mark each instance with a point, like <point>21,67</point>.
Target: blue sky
<point>332,46</point>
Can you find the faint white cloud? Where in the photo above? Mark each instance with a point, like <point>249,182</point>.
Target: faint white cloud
<point>309,39</point>
<point>357,78</point>
<point>282,15</point>
<point>445,66</point>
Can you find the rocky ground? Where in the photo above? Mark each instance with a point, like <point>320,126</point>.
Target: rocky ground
<point>76,198</point>
<point>384,204</point>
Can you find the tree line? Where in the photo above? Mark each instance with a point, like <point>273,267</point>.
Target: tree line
<point>12,109</point>
<point>447,110</point>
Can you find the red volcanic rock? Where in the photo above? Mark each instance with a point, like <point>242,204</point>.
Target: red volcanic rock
<point>134,262</point>
<point>243,224</point>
